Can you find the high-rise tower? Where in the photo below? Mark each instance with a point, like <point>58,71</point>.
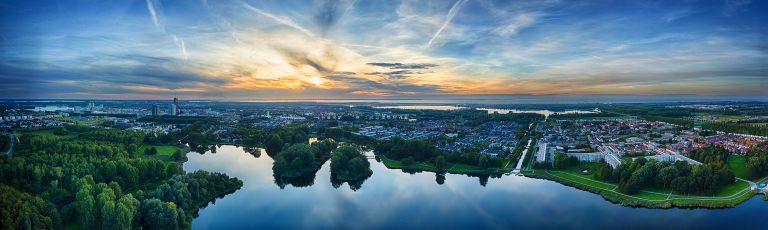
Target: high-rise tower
<point>176,109</point>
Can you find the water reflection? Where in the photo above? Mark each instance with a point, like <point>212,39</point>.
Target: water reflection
<point>353,184</point>
<point>421,107</point>
<point>202,149</point>
<point>391,199</point>
<point>440,179</point>
<point>305,180</point>
<point>255,151</point>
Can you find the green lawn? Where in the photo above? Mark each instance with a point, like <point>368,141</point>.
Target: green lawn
<point>659,190</point>
<point>732,188</point>
<point>583,180</point>
<point>462,168</point>
<point>391,163</point>
<point>737,164</point>
<point>164,152</point>
<point>650,196</point>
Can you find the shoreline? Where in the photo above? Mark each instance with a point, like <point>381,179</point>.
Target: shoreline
<point>634,201</point>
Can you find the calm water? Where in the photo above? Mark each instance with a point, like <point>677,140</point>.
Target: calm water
<point>544,112</point>
<point>421,107</point>
<point>392,199</point>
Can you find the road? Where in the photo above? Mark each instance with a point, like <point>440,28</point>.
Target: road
<point>522,158</point>
<point>10,147</point>
<point>519,166</point>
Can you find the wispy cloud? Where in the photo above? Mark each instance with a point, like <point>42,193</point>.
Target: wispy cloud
<point>448,18</point>
<point>516,24</point>
<point>182,47</point>
<point>678,14</point>
<point>282,20</point>
<point>153,12</point>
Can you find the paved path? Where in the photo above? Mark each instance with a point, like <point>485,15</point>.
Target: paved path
<point>520,162</point>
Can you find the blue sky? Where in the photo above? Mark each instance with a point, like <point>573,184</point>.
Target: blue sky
<point>240,49</point>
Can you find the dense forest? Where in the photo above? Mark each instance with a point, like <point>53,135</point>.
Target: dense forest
<point>97,179</point>
<point>680,177</point>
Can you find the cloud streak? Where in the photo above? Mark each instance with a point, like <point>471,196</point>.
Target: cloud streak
<point>153,12</point>
<point>282,20</point>
<point>448,18</point>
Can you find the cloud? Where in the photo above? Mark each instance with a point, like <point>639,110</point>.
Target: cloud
<point>397,65</point>
<point>678,14</point>
<point>732,7</point>
<point>395,75</point>
<point>379,47</point>
<point>153,11</point>
<point>362,86</point>
<point>330,13</point>
<point>513,26</point>
<point>451,13</point>
<point>182,48</point>
<point>282,20</point>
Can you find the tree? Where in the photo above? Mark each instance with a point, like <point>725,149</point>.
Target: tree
<point>274,144</point>
<point>440,163</point>
<point>157,214</point>
<point>86,207</point>
<point>172,169</point>
<point>294,161</point>
<point>482,161</point>
<point>408,161</point>
<point>19,210</point>
<point>665,176</point>
<point>348,163</point>
<point>325,147</point>
<point>564,161</point>
<point>179,155</point>
<point>150,151</point>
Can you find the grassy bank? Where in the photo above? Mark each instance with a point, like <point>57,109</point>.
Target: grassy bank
<point>729,196</point>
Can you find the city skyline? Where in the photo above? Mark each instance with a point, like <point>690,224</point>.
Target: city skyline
<point>243,50</point>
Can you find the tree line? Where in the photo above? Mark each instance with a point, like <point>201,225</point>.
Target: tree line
<point>680,177</point>
<point>757,162</point>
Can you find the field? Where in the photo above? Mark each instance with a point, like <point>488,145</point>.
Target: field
<point>164,152</point>
<point>737,165</point>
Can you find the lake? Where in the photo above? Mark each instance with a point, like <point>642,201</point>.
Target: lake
<point>421,107</point>
<point>544,112</point>
<point>393,199</point>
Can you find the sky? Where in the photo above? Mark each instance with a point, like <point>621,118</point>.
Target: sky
<point>287,49</point>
